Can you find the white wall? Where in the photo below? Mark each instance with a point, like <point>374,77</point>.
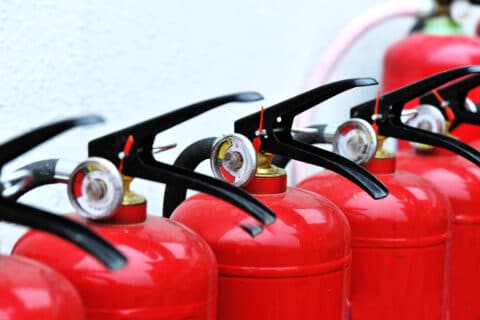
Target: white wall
<point>131,60</point>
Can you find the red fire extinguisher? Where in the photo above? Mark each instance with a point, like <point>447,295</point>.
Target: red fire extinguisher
<point>460,181</point>
<point>172,272</point>
<point>28,289</point>
<point>400,244</point>
<point>437,44</point>
<point>297,268</point>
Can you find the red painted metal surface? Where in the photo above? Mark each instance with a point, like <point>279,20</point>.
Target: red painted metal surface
<point>295,269</point>
<point>171,272</point>
<point>30,290</point>
<point>399,243</point>
<point>421,55</point>
<point>459,180</point>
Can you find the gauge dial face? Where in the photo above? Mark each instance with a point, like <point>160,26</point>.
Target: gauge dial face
<point>234,159</point>
<point>427,118</point>
<point>95,188</point>
<point>355,140</point>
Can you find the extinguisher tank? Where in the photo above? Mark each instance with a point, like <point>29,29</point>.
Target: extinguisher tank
<point>399,244</point>
<point>459,181</point>
<point>295,269</point>
<point>30,290</point>
<point>161,254</point>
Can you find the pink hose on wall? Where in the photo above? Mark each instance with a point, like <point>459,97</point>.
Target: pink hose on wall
<point>329,59</point>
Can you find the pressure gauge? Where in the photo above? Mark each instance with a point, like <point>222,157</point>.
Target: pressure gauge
<point>428,118</point>
<point>95,188</point>
<point>234,159</point>
<point>355,140</point>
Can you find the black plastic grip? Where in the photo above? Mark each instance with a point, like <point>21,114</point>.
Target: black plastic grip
<point>164,173</point>
<point>307,138</point>
<point>329,160</point>
<point>144,132</point>
<point>29,140</point>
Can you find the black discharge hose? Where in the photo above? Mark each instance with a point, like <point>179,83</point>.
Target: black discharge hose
<point>43,173</point>
<point>190,159</point>
<point>308,138</point>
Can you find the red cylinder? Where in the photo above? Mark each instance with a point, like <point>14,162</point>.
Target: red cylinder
<point>171,272</point>
<point>421,55</point>
<point>295,269</point>
<point>459,180</point>
<point>399,243</point>
<point>30,290</point>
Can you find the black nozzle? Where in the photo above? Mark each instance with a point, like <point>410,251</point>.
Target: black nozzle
<point>455,96</point>
<point>141,163</point>
<point>277,138</point>
<point>391,105</point>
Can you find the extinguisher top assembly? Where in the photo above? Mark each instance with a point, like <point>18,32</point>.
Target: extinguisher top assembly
<point>388,117</point>
<point>295,269</point>
<point>399,243</point>
<point>439,43</point>
<point>172,273</point>
<point>28,289</point>
<point>459,180</point>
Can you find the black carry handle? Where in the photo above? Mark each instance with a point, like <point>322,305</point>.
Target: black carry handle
<point>307,138</point>
<point>277,138</point>
<point>17,146</point>
<point>74,232</point>
<point>141,163</point>
<point>390,108</point>
<point>455,96</point>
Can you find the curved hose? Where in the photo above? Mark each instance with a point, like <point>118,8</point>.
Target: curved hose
<point>190,158</point>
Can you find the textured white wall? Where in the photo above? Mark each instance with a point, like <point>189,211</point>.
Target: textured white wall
<point>131,60</point>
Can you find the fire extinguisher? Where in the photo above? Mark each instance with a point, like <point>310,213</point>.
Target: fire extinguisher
<point>28,289</point>
<point>172,272</point>
<point>297,268</point>
<point>459,180</point>
<point>438,43</point>
<point>400,243</point>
